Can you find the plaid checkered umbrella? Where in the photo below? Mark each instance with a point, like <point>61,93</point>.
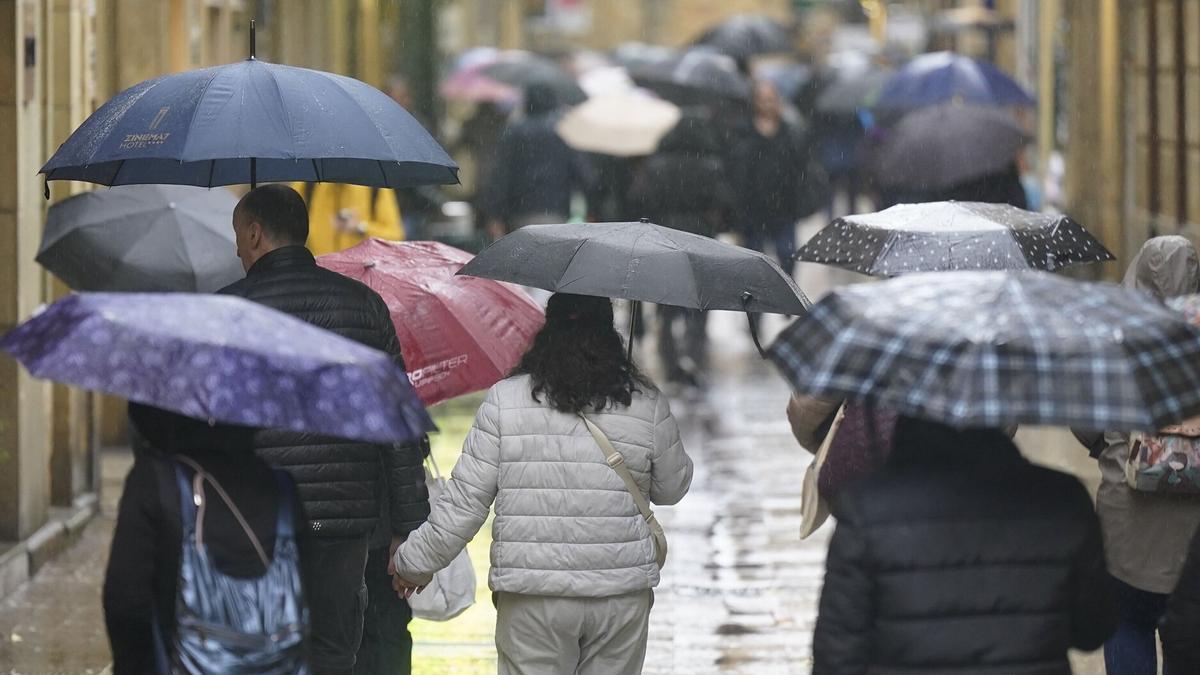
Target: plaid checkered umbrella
<point>946,236</point>
<point>990,349</point>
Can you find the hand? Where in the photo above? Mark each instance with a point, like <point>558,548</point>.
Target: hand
<point>404,588</point>
<point>391,566</point>
<point>347,220</point>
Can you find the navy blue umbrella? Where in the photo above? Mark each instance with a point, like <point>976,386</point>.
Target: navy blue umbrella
<point>252,122</point>
<point>942,77</point>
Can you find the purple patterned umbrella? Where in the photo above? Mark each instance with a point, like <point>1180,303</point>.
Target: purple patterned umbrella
<point>221,358</point>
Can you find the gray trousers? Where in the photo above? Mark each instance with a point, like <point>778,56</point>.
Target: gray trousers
<point>540,635</point>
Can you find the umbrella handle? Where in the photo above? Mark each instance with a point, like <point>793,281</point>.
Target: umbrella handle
<point>635,312</point>
<point>746,298</point>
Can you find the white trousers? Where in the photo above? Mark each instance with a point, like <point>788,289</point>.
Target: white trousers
<point>541,635</point>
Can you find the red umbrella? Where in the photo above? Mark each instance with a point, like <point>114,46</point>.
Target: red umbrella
<point>459,334</point>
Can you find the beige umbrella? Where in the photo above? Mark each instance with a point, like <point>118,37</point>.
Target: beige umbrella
<point>622,124</point>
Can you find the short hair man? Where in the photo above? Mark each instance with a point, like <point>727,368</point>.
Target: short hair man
<point>339,480</point>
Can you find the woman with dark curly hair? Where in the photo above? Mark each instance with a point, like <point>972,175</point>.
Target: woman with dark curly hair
<point>573,559</point>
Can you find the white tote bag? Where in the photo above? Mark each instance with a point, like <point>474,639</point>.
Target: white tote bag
<point>452,590</point>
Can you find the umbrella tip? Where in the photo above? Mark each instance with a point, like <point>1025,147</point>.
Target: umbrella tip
<point>643,220</point>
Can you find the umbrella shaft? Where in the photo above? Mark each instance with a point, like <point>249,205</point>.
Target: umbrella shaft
<point>253,173</point>
<point>635,313</point>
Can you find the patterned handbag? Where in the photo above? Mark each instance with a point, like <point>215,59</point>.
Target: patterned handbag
<point>1165,462</point>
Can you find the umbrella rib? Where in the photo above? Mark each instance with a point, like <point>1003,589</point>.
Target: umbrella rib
<point>287,115</point>
<point>196,109</point>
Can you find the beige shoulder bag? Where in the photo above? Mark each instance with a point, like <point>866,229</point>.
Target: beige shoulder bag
<point>617,462</point>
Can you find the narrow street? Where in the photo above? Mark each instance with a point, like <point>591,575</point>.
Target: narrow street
<point>739,594</point>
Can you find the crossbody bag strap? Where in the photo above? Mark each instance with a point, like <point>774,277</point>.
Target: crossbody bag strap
<point>617,462</point>
<point>198,481</point>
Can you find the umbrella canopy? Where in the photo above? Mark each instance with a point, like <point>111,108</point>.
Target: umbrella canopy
<point>693,78</point>
<point>946,236</point>
<point>745,35</point>
<point>623,125</point>
<point>640,261</point>
<point>942,77</point>
<point>221,358</point>
<point>991,349</point>
<point>143,238</point>
<point>949,144</point>
<point>850,89</point>
<point>252,121</point>
<point>521,69</point>
<point>458,334</point>
<point>472,86</point>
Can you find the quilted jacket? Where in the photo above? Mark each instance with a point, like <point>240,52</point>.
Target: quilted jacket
<point>565,524</point>
<point>338,480</point>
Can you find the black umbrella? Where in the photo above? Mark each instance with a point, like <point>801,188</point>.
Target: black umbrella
<point>143,238</point>
<point>641,262</point>
<point>948,145</point>
<point>946,236</point>
<point>523,70</point>
<point>695,77</point>
<point>745,35</point>
<point>991,349</point>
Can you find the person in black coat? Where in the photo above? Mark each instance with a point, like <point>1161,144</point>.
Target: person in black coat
<point>683,186</point>
<point>1180,628</point>
<point>346,486</point>
<point>778,178</point>
<point>534,171</point>
<point>959,556</point>
<point>140,583</point>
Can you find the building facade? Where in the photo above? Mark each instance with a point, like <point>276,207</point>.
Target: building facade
<point>60,60</point>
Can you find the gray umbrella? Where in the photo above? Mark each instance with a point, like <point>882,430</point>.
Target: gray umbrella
<point>643,262</point>
<point>947,145</point>
<point>640,261</point>
<point>144,238</point>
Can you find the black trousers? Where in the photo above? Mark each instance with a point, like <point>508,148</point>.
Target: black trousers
<point>695,339</point>
<point>386,643</point>
<point>337,598</point>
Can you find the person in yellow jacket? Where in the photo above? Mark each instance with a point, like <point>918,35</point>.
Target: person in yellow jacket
<point>341,215</point>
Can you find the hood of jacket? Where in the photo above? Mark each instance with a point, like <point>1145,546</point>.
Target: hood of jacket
<point>1166,267</point>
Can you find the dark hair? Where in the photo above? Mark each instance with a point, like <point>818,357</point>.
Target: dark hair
<point>280,210</point>
<point>577,361</point>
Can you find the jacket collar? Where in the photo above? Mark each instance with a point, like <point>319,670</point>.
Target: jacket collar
<point>281,258</point>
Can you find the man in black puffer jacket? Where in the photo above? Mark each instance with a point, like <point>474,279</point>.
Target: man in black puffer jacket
<point>959,557</point>
<point>345,486</point>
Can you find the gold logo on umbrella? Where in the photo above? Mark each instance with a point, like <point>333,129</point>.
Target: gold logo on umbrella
<point>142,141</point>
<point>162,114</point>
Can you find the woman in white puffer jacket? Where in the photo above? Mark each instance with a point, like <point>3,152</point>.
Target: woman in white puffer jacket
<point>573,561</point>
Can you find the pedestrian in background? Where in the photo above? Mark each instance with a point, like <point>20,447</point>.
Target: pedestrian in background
<point>155,572</point>
<point>534,171</point>
<point>1146,535</point>
<point>684,186</point>
<point>778,180</point>
<point>348,488</point>
<point>342,215</point>
<point>958,555</point>
<point>573,562</point>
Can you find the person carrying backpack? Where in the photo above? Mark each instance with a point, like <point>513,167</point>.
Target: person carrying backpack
<point>1146,529</point>
<point>204,572</point>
